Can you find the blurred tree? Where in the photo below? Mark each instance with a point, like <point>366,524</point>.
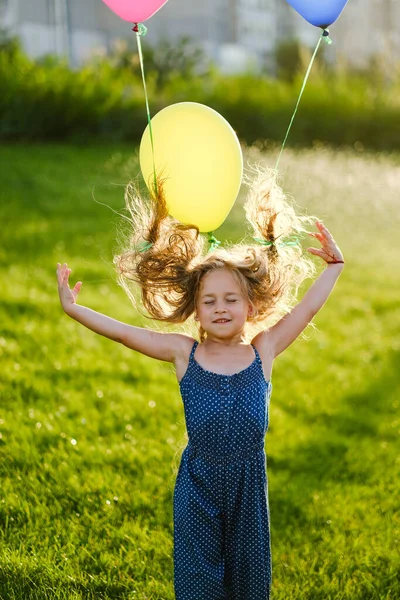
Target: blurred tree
<point>163,60</point>
<point>291,57</point>
<point>9,44</point>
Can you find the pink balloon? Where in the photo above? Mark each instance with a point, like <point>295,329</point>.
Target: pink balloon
<point>135,11</point>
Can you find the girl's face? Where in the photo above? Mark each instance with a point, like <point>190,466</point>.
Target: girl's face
<point>220,297</point>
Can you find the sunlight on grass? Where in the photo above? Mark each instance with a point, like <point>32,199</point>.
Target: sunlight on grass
<point>91,433</point>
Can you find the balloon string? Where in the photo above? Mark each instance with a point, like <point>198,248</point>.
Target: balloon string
<point>140,29</point>
<point>299,98</point>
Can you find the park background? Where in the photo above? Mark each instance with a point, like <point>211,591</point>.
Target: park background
<point>91,433</point>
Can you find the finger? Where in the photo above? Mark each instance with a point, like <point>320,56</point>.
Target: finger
<point>77,289</point>
<point>316,252</point>
<point>324,230</point>
<point>318,236</point>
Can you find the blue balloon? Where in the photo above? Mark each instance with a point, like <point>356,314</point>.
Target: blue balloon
<point>320,13</point>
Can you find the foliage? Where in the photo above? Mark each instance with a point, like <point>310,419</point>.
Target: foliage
<point>46,100</point>
<point>162,61</point>
<point>291,57</point>
<point>9,44</point>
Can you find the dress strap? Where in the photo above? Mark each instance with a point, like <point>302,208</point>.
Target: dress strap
<point>257,355</point>
<point>259,361</point>
<point>193,350</point>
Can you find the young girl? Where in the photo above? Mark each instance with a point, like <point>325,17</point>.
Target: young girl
<point>222,543</point>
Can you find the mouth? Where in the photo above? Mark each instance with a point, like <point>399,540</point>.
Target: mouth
<point>222,321</point>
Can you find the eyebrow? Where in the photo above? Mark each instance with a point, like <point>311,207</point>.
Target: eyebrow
<point>227,294</point>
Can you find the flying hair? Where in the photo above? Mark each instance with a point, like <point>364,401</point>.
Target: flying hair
<point>165,260</point>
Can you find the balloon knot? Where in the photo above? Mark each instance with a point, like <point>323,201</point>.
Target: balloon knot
<point>325,35</point>
<point>140,28</point>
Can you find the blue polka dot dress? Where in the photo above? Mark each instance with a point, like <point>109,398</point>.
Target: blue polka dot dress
<point>222,546</point>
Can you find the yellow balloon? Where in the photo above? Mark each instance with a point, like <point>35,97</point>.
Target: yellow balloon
<point>199,155</point>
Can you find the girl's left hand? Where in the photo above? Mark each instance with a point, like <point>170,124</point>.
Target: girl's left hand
<point>329,252</point>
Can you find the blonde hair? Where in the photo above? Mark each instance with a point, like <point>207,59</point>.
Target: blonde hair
<point>168,260</point>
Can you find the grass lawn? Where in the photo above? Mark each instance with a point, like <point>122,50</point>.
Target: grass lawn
<point>91,433</point>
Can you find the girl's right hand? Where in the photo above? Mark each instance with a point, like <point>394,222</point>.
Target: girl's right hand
<point>67,296</point>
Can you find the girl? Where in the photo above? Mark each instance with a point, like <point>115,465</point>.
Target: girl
<point>222,543</point>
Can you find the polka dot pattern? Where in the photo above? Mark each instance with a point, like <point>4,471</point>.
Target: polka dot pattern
<point>222,547</point>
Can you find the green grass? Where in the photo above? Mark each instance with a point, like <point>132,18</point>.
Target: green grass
<point>91,433</point>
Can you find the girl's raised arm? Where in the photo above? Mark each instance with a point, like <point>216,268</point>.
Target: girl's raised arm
<point>283,333</point>
<point>162,346</point>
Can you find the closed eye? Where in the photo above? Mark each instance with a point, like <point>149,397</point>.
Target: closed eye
<point>211,301</point>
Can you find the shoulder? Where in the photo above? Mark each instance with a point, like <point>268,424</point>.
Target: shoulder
<point>182,345</point>
<point>158,344</point>
<point>262,341</point>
